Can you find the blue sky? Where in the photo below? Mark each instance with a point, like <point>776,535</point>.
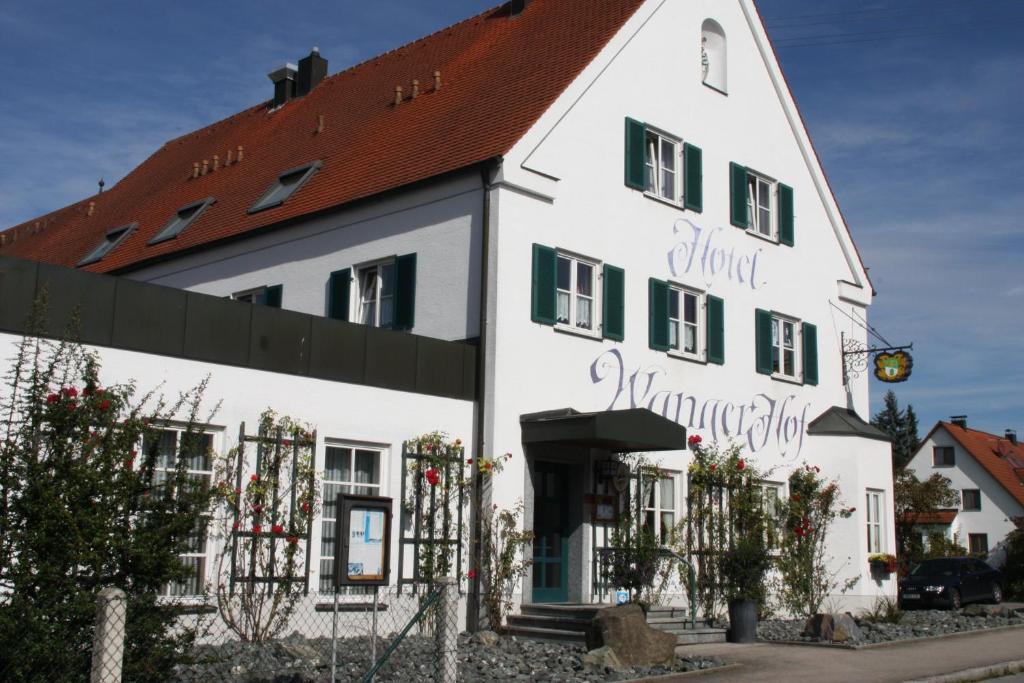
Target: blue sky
<point>915,107</point>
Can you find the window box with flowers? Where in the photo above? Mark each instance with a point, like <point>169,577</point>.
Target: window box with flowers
<point>882,563</point>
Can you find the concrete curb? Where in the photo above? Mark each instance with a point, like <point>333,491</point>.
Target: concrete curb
<point>980,673</point>
<point>665,678</point>
<point>894,643</point>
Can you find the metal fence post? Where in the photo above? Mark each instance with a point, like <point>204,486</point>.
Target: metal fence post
<point>447,631</point>
<point>108,638</point>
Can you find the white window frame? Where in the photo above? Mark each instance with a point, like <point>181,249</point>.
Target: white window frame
<point>360,299</point>
<point>779,322</point>
<point>571,323</point>
<point>875,519</point>
<point>203,555</point>
<point>654,165</point>
<point>772,493</point>
<point>249,296</point>
<point>677,324</point>
<point>668,481</point>
<point>377,489</point>
<point>754,181</point>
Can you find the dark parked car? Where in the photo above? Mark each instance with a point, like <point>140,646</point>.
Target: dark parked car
<point>951,582</point>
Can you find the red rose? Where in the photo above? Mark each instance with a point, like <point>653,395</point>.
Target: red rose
<point>714,466</point>
<point>852,510</point>
<point>98,392</point>
<point>72,405</point>
<point>471,573</point>
<point>433,476</point>
<point>256,529</point>
<point>254,477</point>
<point>235,526</point>
<point>105,405</point>
<point>293,540</point>
<point>238,491</point>
<point>305,507</point>
<point>430,448</point>
<point>694,440</point>
<point>740,465</point>
<point>52,398</point>
<point>795,498</point>
<point>69,391</point>
<point>489,465</point>
<point>470,461</point>
<point>277,529</point>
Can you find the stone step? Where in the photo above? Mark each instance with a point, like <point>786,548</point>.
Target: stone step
<point>546,634</point>
<point>572,611</point>
<point>699,636</point>
<point>556,622</point>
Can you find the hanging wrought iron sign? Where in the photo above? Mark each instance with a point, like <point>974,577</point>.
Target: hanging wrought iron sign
<point>893,367</point>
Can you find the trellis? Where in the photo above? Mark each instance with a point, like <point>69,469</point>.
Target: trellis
<point>272,446</point>
<point>421,505</point>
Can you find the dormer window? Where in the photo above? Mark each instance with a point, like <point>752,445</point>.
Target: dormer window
<point>182,219</point>
<point>285,186</point>
<point>109,243</point>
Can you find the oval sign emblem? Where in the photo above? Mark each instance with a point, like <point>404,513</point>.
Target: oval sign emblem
<point>893,367</point>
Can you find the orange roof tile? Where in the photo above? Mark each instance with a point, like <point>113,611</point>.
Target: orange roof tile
<point>498,75</point>
<point>998,455</point>
<point>929,517</point>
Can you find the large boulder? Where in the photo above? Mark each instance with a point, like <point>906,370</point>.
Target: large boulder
<point>624,630</point>
<point>834,628</point>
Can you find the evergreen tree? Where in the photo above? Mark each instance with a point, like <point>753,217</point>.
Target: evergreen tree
<point>901,425</point>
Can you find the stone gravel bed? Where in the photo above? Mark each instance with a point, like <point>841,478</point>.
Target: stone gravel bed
<point>296,659</point>
<point>912,624</point>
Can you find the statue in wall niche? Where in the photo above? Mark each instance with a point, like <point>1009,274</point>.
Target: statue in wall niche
<point>705,63</point>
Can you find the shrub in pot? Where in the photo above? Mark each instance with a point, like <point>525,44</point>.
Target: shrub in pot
<point>743,571</point>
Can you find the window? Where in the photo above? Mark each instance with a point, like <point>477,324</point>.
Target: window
<point>971,499</point>
<point>659,497</point>
<point>575,288</point>
<point>943,456</point>
<point>108,244</point>
<point>771,504</point>
<point>784,357</point>
<point>684,321</point>
<point>875,511</point>
<point>194,452</point>
<point>182,219</point>
<point>347,469</point>
<point>759,205</point>
<point>977,543</point>
<point>712,55</point>
<point>786,348</point>
<point>376,296</point>
<point>264,296</point>
<point>661,162</point>
<point>285,186</point>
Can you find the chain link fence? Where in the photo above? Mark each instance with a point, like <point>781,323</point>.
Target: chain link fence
<point>390,635</point>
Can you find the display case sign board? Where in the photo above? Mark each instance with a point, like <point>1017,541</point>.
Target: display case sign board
<point>363,538</point>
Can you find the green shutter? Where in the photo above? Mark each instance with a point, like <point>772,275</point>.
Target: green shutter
<point>405,292</point>
<point>693,173</point>
<point>658,314</point>
<point>542,299</point>
<point>715,330</point>
<point>763,340</point>
<point>738,196</point>
<point>614,326</point>
<point>810,337</point>
<point>338,294</point>
<point>635,167</point>
<point>272,296</point>
<point>786,214</point>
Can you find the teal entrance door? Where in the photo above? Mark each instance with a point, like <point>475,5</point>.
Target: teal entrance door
<point>551,532</point>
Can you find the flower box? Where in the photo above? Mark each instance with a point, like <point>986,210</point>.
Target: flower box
<point>883,563</point>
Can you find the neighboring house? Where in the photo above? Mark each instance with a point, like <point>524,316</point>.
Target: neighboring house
<point>986,470</point>
<point>613,204</point>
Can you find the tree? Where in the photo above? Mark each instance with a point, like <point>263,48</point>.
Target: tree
<point>901,425</point>
<point>88,501</point>
<point>915,496</point>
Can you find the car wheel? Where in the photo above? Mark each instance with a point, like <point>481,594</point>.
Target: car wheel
<point>954,599</point>
<point>997,593</point>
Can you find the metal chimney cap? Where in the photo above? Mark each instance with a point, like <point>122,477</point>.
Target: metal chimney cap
<point>283,72</point>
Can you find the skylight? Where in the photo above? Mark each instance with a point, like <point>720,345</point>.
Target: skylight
<point>109,243</point>
<point>285,186</point>
<point>182,219</point>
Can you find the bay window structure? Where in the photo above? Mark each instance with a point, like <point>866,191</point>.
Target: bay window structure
<point>194,453</point>
<point>576,287</point>
<point>347,469</point>
<point>786,348</point>
<point>659,505</point>
<point>875,521</point>
<point>685,321</point>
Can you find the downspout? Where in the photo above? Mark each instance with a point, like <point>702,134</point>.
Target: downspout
<point>473,607</point>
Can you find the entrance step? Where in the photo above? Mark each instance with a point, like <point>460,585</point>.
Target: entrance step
<point>675,620</point>
<point>569,623</point>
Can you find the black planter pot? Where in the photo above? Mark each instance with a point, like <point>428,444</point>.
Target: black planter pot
<point>742,621</point>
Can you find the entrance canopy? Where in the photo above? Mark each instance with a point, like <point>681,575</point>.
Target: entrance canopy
<point>618,431</point>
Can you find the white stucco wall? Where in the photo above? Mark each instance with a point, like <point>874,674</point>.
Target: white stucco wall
<point>998,507</point>
<point>439,221</point>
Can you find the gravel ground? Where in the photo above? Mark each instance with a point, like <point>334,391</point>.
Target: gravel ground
<point>296,659</point>
<point>912,624</point>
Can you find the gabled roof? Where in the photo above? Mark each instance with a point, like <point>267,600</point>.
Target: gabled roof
<point>498,74</point>
<point>1000,457</point>
<point>838,421</point>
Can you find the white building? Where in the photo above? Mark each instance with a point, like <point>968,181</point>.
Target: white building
<point>616,201</point>
<point>987,471</point>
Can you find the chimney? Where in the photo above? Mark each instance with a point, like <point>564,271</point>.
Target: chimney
<point>283,78</point>
<point>959,420</point>
<point>1011,436</point>
<point>516,7</point>
<point>312,70</point>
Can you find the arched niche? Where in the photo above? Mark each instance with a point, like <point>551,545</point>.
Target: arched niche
<point>713,56</point>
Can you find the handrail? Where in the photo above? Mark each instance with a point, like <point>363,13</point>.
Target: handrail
<point>427,604</point>
<point>691,588</point>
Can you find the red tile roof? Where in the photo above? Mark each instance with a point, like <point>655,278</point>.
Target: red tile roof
<point>1000,457</point>
<point>930,517</point>
<point>499,75</point>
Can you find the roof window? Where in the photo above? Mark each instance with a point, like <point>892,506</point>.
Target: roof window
<point>182,219</point>
<point>109,243</point>
<point>285,186</point>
